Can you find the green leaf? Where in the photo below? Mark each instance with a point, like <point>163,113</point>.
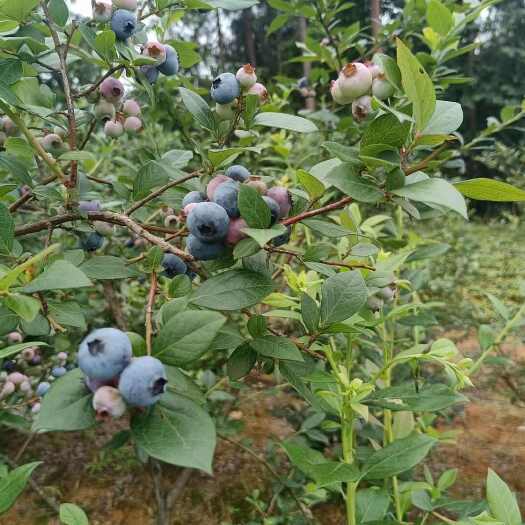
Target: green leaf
<point>24,306</point>
<point>386,129</point>
<point>439,17</point>
<point>343,295</point>
<point>188,57</point>
<point>187,336</point>
<point>246,247</point>
<point>106,267</point>
<point>372,504</point>
<point>67,313</point>
<point>278,22</point>
<point>180,286</point>
<point>58,12</point>
<point>71,514</point>
<point>399,456</point>
<point>61,275</point>
<point>176,431</point>
<point>18,10</point>
<point>417,85</point>
<point>490,190</point>
<point>104,45</point>
<point>7,229</point>
<point>313,186</point>
<point>435,191</point>
<point>285,121</point>
<point>447,118</point>
<point>15,349</point>
<point>8,322</point>
<point>345,178</point>
<point>310,313</point>
<point>11,69</point>
<point>12,485</point>
<point>327,228</point>
<point>233,5</point>
<point>253,208</point>
<point>181,384</point>
<point>241,362</point>
<point>8,27</point>
<point>67,405</point>
<point>17,168</point>
<point>198,107</point>
<point>276,347</point>
<point>77,155</point>
<point>429,398</point>
<point>502,502</point>
<point>233,290</point>
<point>263,236</point>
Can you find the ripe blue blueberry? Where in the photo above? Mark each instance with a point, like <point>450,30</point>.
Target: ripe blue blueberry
<point>193,197</point>
<point>173,265</point>
<point>104,353</point>
<point>9,366</point>
<point>58,371</point>
<point>282,239</point>
<point>92,242</point>
<point>208,221</point>
<point>143,382</point>
<point>226,196</point>
<point>87,206</point>
<point>225,88</point>
<point>238,173</point>
<point>151,73</point>
<point>123,24</point>
<point>274,208</point>
<point>170,66</point>
<point>204,251</point>
<point>42,388</point>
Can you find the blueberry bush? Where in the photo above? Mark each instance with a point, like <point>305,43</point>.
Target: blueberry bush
<point>154,224</point>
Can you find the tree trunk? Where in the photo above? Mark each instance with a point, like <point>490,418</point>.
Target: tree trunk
<point>249,38</point>
<point>220,40</point>
<point>375,17</point>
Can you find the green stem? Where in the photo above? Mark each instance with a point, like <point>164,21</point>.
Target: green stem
<point>499,339</point>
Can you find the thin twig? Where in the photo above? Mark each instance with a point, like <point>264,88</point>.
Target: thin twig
<point>149,311</point>
<point>319,211</point>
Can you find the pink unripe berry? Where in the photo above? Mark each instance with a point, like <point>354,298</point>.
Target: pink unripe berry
<point>108,402</point>
<point>35,409</point>
<point>282,197</point>
<point>187,209</point>
<point>25,387</point>
<point>131,108</point>
<point>9,126</point>
<point>214,184</point>
<point>7,389</point>
<point>234,231</point>
<point>261,91</point>
<point>62,356</point>
<point>28,354</point>
<point>51,142</point>
<point>361,107</point>
<point>111,89</point>
<point>130,5</point>
<point>355,80</point>
<point>374,69</point>
<point>337,94</point>
<point>155,50</point>
<point>382,88</point>
<point>104,110</point>
<point>246,76</point>
<point>16,378</point>
<point>102,11</point>
<point>113,128</point>
<point>258,184</point>
<point>14,337</point>
<point>133,124</point>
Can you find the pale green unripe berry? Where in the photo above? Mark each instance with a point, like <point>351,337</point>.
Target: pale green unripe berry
<point>361,107</point>
<point>337,94</point>
<point>61,132</point>
<point>104,110</point>
<point>382,88</point>
<point>52,143</point>
<point>355,80</point>
<point>224,111</point>
<point>113,128</point>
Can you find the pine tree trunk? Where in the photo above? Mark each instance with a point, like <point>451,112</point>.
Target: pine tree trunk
<point>249,38</point>
<point>375,17</point>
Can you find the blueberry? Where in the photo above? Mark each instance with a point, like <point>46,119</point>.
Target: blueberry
<point>225,88</point>
<point>143,382</point>
<point>92,242</point>
<point>151,73</point>
<point>173,265</point>
<point>58,371</point>
<point>170,66</point>
<point>131,108</point>
<point>193,197</point>
<point>9,366</point>
<point>274,209</point>
<point>235,233</point>
<point>87,206</point>
<point>42,388</point>
<point>238,173</point>
<point>208,221</point>
<point>214,184</point>
<point>111,89</point>
<point>282,239</point>
<point>123,24</point>
<point>104,353</point>
<point>226,196</point>
<point>282,197</point>
<point>204,251</point>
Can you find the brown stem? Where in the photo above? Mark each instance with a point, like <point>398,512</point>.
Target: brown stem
<point>149,311</point>
<point>160,191</point>
<point>92,88</point>
<point>88,133</point>
<point>424,163</point>
<point>21,201</point>
<point>319,211</point>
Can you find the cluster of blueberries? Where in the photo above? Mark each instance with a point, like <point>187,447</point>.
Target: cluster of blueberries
<point>213,218</point>
<point>115,377</point>
<point>26,379</point>
<point>356,82</point>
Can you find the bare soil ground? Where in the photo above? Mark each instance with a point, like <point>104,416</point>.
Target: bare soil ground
<point>114,489</point>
